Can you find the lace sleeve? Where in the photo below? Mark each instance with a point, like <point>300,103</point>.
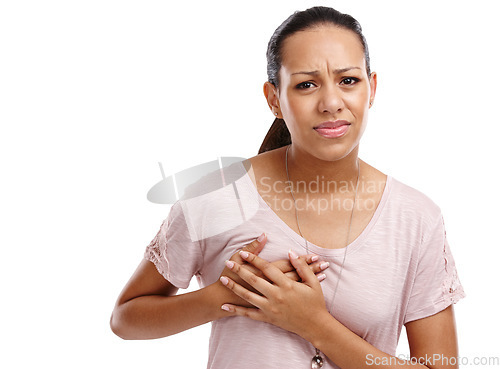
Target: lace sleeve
<point>436,284</point>
<point>175,255</point>
<point>452,288</point>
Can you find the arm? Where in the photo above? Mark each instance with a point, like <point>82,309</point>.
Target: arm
<point>434,335</point>
<point>282,305</point>
<point>432,343</point>
<point>148,306</point>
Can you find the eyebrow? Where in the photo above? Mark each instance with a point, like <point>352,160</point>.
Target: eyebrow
<point>336,71</point>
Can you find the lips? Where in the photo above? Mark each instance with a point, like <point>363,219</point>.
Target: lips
<point>331,125</point>
<point>333,129</point>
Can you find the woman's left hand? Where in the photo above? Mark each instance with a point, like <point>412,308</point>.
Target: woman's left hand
<point>294,306</point>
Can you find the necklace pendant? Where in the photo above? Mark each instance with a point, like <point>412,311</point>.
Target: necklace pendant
<point>317,361</point>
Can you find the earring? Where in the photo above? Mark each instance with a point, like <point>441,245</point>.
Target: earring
<point>371,103</point>
<point>276,113</point>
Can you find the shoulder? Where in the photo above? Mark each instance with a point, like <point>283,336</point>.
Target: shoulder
<point>270,160</point>
<point>413,198</point>
<point>210,178</point>
<point>412,207</point>
<point>218,200</point>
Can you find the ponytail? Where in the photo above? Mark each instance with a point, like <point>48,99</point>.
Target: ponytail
<point>277,136</point>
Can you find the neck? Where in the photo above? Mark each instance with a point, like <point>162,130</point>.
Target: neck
<point>307,169</point>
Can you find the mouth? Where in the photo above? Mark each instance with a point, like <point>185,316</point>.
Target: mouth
<point>333,129</point>
<point>332,125</point>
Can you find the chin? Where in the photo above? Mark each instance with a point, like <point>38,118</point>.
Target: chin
<point>331,152</point>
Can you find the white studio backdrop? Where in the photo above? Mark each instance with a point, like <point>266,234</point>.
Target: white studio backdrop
<point>93,94</point>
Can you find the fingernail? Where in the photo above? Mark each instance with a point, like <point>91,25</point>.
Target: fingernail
<point>225,307</point>
<point>230,264</point>
<point>261,237</point>
<point>321,277</point>
<point>224,280</point>
<point>324,265</point>
<point>293,255</point>
<point>244,254</point>
<point>315,258</point>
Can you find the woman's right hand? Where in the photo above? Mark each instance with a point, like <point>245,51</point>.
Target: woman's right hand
<point>255,247</point>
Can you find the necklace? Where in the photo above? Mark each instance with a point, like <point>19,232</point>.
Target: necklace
<point>317,360</point>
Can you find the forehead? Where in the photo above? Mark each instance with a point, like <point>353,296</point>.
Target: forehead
<point>320,47</point>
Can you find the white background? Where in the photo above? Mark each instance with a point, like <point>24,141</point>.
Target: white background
<point>93,94</point>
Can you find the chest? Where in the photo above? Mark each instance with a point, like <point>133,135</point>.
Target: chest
<point>328,220</point>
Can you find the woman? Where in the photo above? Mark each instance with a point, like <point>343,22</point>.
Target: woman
<point>383,256</point>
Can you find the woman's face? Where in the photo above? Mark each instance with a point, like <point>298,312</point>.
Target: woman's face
<point>324,84</point>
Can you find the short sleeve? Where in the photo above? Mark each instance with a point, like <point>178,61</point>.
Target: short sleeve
<point>436,284</point>
<point>176,257</point>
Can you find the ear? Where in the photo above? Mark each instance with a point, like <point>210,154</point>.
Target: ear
<point>272,97</point>
<point>373,87</point>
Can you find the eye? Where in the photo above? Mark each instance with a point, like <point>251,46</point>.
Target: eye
<point>304,85</point>
<point>349,81</point>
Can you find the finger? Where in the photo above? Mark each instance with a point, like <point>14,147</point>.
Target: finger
<point>252,313</point>
<point>285,266</point>
<point>319,266</point>
<point>261,285</point>
<point>251,297</point>
<point>295,277</point>
<point>310,258</point>
<point>255,246</point>
<point>269,270</point>
<point>303,270</point>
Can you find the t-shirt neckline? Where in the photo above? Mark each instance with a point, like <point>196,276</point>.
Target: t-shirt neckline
<point>313,248</point>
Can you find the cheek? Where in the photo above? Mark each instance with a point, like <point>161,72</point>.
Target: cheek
<point>298,106</point>
<point>357,103</point>
<point>297,115</point>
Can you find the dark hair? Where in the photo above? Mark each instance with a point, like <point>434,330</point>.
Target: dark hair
<point>278,135</point>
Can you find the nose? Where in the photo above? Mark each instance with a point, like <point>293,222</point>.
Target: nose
<point>330,100</point>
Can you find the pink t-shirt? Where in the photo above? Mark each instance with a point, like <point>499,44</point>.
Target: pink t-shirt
<point>398,269</point>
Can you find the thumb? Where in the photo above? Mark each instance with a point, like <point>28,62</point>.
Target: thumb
<point>256,246</point>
